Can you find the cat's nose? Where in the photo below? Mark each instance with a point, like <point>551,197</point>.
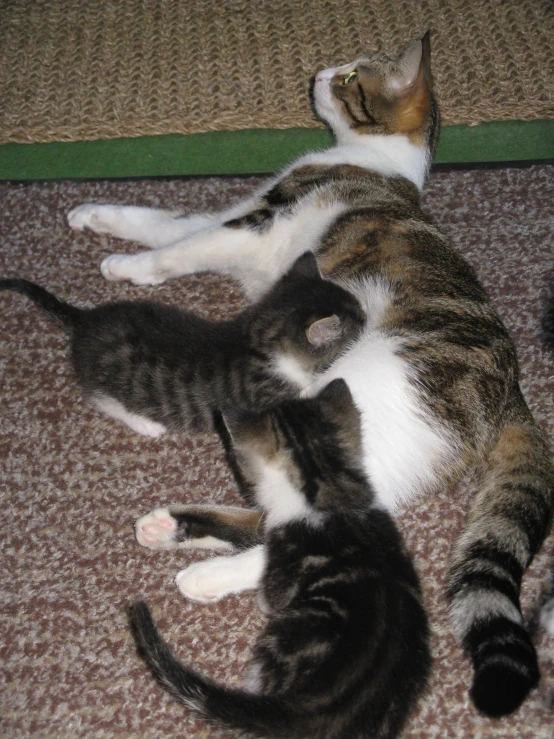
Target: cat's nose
<point>325,74</point>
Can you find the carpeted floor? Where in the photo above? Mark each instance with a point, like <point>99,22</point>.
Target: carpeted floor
<point>72,482</point>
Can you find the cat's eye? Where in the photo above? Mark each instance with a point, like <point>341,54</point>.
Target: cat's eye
<point>351,77</point>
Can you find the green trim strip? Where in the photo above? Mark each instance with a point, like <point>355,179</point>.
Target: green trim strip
<point>251,151</point>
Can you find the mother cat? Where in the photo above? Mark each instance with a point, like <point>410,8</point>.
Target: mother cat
<point>435,373</point>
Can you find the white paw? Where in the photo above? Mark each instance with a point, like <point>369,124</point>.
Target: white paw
<point>156,530</point>
<point>146,427</point>
<point>137,268</point>
<point>99,218</point>
<point>547,616</point>
<point>211,580</point>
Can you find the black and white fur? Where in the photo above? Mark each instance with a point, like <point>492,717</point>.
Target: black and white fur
<point>345,653</point>
<point>434,372</point>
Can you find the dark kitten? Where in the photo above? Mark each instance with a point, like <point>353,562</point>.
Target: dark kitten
<point>345,653</point>
<point>157,368</point>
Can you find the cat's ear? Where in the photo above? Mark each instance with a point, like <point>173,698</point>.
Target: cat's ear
<point>337,393</point>
<point>234,419</point>
<point>413,65</point>
<point>339,406</point>
<point>241,425</point>
<point>305,266</point>
<point>324,331</point>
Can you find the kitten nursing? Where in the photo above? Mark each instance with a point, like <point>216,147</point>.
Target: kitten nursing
<point>434,372</point>
<point>157,368</point>
<point>345,652</point>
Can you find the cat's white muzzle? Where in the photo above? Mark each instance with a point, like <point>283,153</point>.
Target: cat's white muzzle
<point>326,104</point>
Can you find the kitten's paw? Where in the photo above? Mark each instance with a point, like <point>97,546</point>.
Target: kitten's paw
<point>96,217</point>
<point>157,530</point>
<point>547,616</point>
<point>138,268</point>
<point>211,580</point>
<point>146,427</point>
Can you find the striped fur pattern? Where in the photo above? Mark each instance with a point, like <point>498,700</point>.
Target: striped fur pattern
<point>345,652</point>
<point>159,368</point>
<point>434,371</point>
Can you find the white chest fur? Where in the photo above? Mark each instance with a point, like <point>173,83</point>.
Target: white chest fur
<point>403,446</point>
<point>290,369</point>
<point>280,499</point>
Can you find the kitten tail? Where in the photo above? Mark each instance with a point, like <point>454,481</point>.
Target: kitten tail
<point>232,708</point>
<point>65,314</point>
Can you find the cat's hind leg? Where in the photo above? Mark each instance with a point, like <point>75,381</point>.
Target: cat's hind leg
<point>148,226</point>
<point>139,424</point>
<point>200,527</point>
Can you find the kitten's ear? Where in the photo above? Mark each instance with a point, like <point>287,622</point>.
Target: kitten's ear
<point>339,406</point>
<point>324,331</point>
<point>413,64</point>
<point>234,419</point>
<point>337,393</point>
<point>242,425</point>
<point>305,266</point>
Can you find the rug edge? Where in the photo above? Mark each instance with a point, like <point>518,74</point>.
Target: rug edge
<point>251,151</point>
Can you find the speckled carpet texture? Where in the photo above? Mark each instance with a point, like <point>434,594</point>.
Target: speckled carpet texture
<point>72,482</point>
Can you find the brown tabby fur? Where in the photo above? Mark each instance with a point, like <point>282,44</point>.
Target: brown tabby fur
<point>458,358</point>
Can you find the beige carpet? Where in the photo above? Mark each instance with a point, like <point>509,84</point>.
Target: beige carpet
<point>106,69</point>
<point>72,482</point>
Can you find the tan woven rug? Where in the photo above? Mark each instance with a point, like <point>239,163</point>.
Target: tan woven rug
<point>74,70</point>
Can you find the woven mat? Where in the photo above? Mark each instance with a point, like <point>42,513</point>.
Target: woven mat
<point>105,69</point>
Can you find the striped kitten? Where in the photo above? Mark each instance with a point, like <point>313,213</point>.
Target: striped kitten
<point>345,652</point>
<point>157,368</point>
<point>434,372</point>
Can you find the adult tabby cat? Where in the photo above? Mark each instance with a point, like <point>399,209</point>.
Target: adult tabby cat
<point>345,653</point>
<point>434,372</point>
<point>156,367</point>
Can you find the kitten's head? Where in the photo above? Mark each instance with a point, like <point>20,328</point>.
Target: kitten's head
<point>307,316</point>
<point>310,448</point>
<point>381,95</point>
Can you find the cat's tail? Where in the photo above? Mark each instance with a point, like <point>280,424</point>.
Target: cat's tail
<point>509,520</point>
<point>62,312</point>
<point>230,707</point>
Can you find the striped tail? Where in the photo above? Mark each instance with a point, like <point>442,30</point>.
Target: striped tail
<point>232,708</point>
<point>62,312</point>
<point>509,520</point>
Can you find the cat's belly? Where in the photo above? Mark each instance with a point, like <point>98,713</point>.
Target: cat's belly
<point>405,449</point>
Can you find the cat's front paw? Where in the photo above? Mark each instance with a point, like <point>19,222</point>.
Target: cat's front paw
<point>211,580</point>
<point>137,268</point>
<point>547,616</point>
<point>157,530</point>
<point>207,582</point>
